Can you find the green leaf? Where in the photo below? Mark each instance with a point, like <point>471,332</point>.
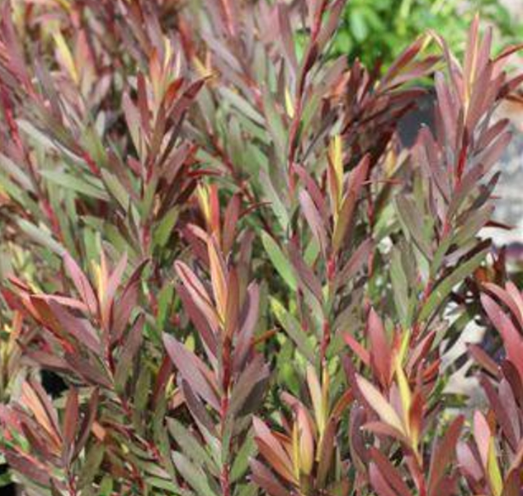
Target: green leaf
<point>165,298</point>
<point>73,183</point>
<point>275,126</point>
<point>249,490</point>
<point>194,475</point>
<point>106,487</point>
<point>5,479</point>
<point>162,484</point>
<point>48,142</point>
<point>279,260</point>
<point>16,173</point>
<point>293,329</point>
<point>91,465</point>
<point>17,194</point>
<point>161,436</point>
<point>412,224</point>
<point>242,105</point>
<point>400,287</point>
<point>241,460</point>
<point>115,188</point>
<point>41,236</point>
<point>190,446</point>
<point>141,395</point>
<point>277,205</point>
<point>164,228</point>
<point>358,25</point>
<point>471,224</point>
<point>444,288</point>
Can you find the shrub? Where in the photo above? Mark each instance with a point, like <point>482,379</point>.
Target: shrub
<point>244,282</point>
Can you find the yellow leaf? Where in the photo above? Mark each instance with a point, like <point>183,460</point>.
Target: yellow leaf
<point>493,470</point>
<point>427,40</point>
<point>335,174</point>
<point>289,107</point>
<point>405,340</point>
<point>100,280</point>
<point>218,278</point>
<point>336,151</point>
<point>204,71</point>
<point>315,391</point>
<point>325,385</point>
<point>203,200</point>
<point>380,405</point>
<point>168,53</point>
<point>66,56</point>
<point>64,4</point>
<point>306,442</point>
<point>296,451</point>
<point>405,394</point>
<point>33,403</point>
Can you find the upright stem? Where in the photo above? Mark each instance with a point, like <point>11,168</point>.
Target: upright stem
<point>71,483</point>
<point>307,65</point>
<point>226,382</point>
<point>325,340</point>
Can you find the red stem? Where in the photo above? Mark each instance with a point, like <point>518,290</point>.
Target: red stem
<point>226,382</point>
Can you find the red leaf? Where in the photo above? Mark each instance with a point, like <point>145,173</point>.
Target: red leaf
<point>248,323</point>
<point>512,339</point>
<point>81,329</point>
<point>230,221</point>
<point>86,424</point>
<point>482,436</point>
<point>30,468</point>
<point>483,359</point>
<point>199,320</point>
<point>305,274</point>
<point>121,312</point>
<point>36,400</point>
<point>444,453</point>
<point>501,413</point>
<point>272,450</point>
<point>314,220</point>
<point>82,284</point>
<point>263,477</point>
<point>197,409</point>
<point>109,291</point>
<point>357,348</point>
<point>192,370</point>
<point>356,262</point>
<point>380,349</point>
<point>70,423</point>
<point>378,482</point>
<point>389,473</point>
<point>198,293</point>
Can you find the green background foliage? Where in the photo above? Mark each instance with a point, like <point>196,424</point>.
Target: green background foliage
<point>378,30</point>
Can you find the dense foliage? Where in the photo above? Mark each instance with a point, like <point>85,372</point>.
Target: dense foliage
<point>215,241</point>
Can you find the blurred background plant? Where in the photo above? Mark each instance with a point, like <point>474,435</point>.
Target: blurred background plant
<point>377,30</point>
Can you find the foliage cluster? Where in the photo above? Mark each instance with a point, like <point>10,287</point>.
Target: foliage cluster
<point>246,285</point>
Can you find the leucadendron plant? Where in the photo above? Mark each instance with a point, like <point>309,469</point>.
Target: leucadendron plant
<point>213,239</point>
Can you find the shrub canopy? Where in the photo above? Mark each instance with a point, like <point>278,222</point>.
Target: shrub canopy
<point>246,284</point>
